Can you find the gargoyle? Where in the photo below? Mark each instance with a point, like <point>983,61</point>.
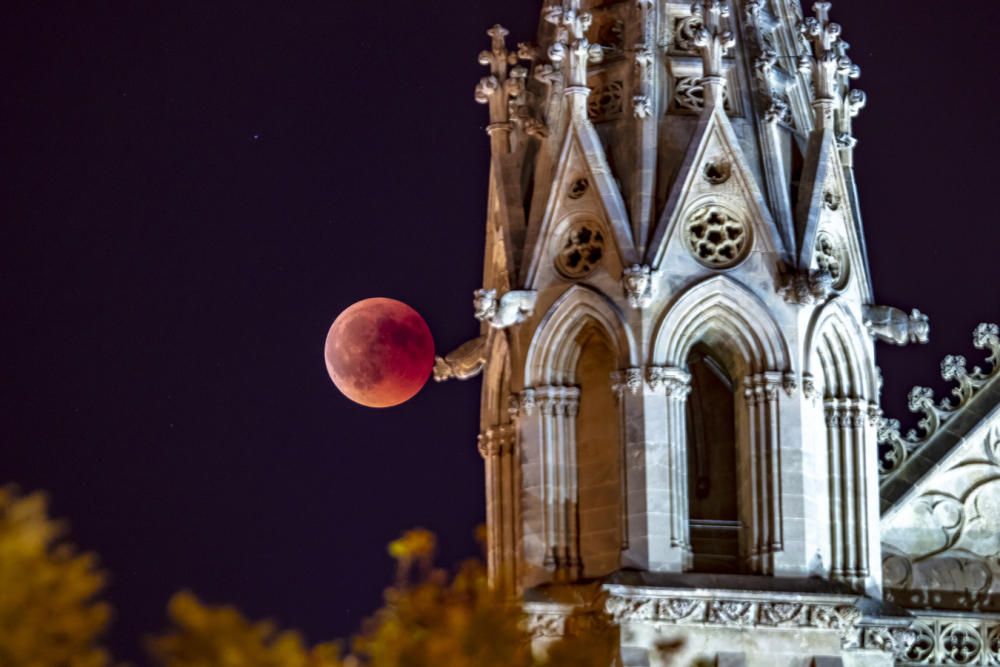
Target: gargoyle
<point>892,325</point>
<point>512,308</point>
<point>469,359</point>
<point>465,362</point>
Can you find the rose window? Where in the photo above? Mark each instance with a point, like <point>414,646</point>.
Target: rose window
<point>830,257</point>
<point>581,250</point>
<point>717,237</point>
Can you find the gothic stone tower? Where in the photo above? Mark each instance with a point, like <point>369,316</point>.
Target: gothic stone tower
<point>680,394</point>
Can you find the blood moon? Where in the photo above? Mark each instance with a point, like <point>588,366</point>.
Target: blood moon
<point>379,352</point>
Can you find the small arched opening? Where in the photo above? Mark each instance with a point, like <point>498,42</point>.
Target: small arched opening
<point>598,456</point>
<point>713,503</point>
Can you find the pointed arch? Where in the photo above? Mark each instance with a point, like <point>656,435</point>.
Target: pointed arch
<point>573,522</point>
<point>555,348</point>
<point>581,151</point>
<point>734,327</point>
<point>837,353</point>
<point>729,318</point>
<point>713,138</point>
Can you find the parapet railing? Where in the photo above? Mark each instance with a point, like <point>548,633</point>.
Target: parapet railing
<point>895,449</point>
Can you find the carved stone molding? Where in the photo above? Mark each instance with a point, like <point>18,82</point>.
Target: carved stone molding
<point>629,380</point>
<point>556,621</point>
<point>810,390</point>
<point>497,441</point>
<point>671,381</point>
<point>763,387</point>
<point>806,288</point>
<point>895,449</point>
<point>527,402</point>
<point>735,611</point>
<point>626,605</point>
<point>947,640</point>
<point>637,281</point>
<point>549,400</point>
<point>642,106</point>
<point>942,547</point>
<point>789,383</point>
<point>887,639</point>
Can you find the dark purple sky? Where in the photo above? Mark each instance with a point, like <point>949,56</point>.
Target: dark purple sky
<point>194,190</point>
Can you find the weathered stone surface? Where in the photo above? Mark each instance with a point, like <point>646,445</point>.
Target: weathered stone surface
<point>678,350</point>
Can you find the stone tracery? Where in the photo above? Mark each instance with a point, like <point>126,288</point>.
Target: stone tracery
<point>735,122</point>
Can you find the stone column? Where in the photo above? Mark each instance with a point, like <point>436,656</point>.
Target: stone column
<point>838,552</point>
<point>852,469</point>
<point>763,456</point>
<point>571,568</point>
<point>666,462</point>
<point>549,490</point>
<point>496,445</point>
<point>534,540</point>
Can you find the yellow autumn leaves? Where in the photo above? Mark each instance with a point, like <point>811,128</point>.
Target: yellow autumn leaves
<point>429,619</point>
<point>49,608</point>
<point>204,636</point>
<point>51,614</point>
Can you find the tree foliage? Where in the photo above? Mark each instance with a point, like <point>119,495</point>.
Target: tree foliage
<point>430,619</point>
<point>49,612</point>
<point>207,636</point>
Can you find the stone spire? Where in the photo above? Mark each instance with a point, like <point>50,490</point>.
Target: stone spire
<point>572,51</point>
<point>501,88</point>
<point>671,206</point>
<point>825,58</point>
<point>713,41</point>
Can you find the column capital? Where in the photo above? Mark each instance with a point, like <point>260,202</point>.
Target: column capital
<point>672,381</point>
<point>550,400</point>
<point>628,380</point>
<point>496,441</point>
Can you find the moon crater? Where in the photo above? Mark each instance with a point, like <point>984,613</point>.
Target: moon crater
<point>379,352</point>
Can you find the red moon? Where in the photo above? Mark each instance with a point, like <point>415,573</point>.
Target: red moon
<point>379,352</point>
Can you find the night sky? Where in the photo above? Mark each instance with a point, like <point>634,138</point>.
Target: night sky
<point>194,190</point>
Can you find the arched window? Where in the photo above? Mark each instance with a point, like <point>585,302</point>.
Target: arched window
<point>598,457</point>
<point>712,482</point>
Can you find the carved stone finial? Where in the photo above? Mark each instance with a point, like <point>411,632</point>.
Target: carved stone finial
<point>503,84</point>
<point>826,56</point>
<point>645,58</point>
<point>638,284</point>
<point>570,49</point>
<point>898,449</point>
<point>713,39</point>
<point>512,308</point>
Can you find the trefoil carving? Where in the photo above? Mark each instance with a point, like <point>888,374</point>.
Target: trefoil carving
<point>896,449</point>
